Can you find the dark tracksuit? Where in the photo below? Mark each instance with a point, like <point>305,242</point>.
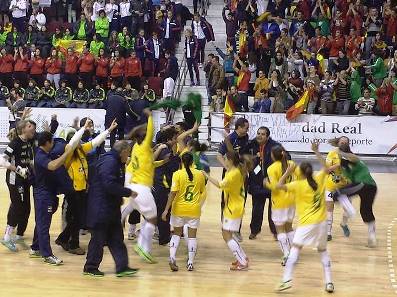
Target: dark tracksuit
<point>161,190</point>
<point>104,217</point>
<point>255,184</point>
<point>46,202</point>
<point>116,108</point>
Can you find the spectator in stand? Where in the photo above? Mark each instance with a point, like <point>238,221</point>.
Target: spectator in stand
<point>63,95</point>
<point>171,68</point>
<point>19,10</point>
<point>243,79</point>
<point>21,66</point>
<point>218,100</point>
<point>342,92</point>
<point>86,67</point>
<point>153,53</point>
<point>216,75</point>
<point>191,52</point>
<point>37,20</point>
<point>231,25</point>
<point>71,68</point>
<point>37,65</point>
<point>81,96</point>
<point>14,39</point>
<point>44,42</point>
<point>117,68</point>
<point>140,45</point>
<point>169,28</point>
<point>82,29</point>
<point>97,7</point>
<point>47,95</point>
<point>133,71</point>
<point>373,23</point>
<point>53,67</point>
<point>96,45</point>
<point>113,14</point>
<point>102,26</point>
<point>365,104</point>
<point>263,103</point>
<point>6,67</point>
<point>102,69</point>
<point>203,32</point>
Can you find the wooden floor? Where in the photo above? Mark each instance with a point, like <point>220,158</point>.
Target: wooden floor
<point>357,270</point>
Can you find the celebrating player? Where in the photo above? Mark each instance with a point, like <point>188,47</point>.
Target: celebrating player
<point>186,198</point>
<point>312,225</point>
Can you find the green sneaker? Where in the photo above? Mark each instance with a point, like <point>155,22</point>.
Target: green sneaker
<point>21,243</point>
<point>144,255</point>
<point>284,286</point>
<point>10,245</point>
<point>127,272</point>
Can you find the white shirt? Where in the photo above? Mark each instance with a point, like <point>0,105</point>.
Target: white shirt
<point>188,54</point>
<point>261,5</point>
<point>156,49</point>
<point>110,9</point>
<point>20,10</point>
<point>125,9</point>
<point>96,8</point>
<point>167,29</point>
<point>198,31</point>
<point>168,87</point>
<point>40,20</point>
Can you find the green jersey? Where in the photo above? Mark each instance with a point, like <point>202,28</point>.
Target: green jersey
<point>359,173</point>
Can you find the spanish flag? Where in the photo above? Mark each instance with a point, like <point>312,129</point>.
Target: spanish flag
<point>63,44</point>
<point>228,112</point>
<point>299,106</point>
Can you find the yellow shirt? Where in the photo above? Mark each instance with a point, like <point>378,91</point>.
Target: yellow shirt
<point>234,194</point>
<point>141,165</point>
<point>189,194</point>
<point>280,198</point>
<point>310,205</point>
<point>335,179</point>
<point>77,166</point>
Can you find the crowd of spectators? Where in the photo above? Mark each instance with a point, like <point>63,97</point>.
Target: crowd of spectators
<point>343,51</point>
<point>70,53</point>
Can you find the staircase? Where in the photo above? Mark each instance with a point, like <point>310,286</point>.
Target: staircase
<point>214,17</point>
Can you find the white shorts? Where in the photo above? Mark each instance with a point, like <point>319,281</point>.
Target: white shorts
<point>328,196</point>
<point>193,223</point>
<point>281,216</point>
<point>315,235</point>
<point>144,202</point>
<point>232,225</point>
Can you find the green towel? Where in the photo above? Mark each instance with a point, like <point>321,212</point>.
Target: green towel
<point>192,102</point>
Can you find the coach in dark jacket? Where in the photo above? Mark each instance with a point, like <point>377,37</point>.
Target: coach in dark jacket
<point>260,148</point>
<point>116,108</point>
<point>172,67</point>
<point>104,217</point>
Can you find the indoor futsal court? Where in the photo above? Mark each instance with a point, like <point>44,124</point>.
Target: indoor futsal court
<point>357,270</point>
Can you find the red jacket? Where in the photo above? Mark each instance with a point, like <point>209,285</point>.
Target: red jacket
<point>244,84</point>
<point>87,63</point>
<point>385,99</point>
<point>71,64</point>
<point>390,26</point>
<point>133,67</point>
<point>37,66</point>
<point>118,68</point>
<point>21,65</point>
<point>53,66</point>
<point>7,64</point>
<point>335,45</point>
<point>102,67</point>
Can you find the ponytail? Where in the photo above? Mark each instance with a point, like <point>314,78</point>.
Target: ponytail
<point>307,171</point>
<point>187,160</point>
<point>279,154</point>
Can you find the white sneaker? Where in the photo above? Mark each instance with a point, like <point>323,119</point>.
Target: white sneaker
<point>329,288</point>
<point>34,254</point>
<point>372,241</point>
<point>52,260</point>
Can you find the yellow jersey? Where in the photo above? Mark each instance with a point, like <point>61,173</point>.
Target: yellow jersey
<point>189,194</point>
<point>141,166</point>
<point>335,179</point>
<point>280,199</point>
<point>310,204</point>
<point>234,194</point>
<point>77,166</point>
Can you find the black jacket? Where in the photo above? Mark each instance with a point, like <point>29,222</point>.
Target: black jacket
<point>255,181</point>
<point>116,108</point>
<point>107,190</point>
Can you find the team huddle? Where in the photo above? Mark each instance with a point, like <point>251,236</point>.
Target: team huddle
<point>165,183</point>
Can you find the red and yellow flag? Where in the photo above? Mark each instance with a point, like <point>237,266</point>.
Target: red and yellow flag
<point>294,111</point>
<point>228,112</point>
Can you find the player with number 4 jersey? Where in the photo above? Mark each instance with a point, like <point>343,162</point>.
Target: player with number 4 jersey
<point>185,200</point>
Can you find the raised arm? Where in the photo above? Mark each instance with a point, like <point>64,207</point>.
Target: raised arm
<point>181,138</point>
<point>149,129</point>
<point>55,164</point>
